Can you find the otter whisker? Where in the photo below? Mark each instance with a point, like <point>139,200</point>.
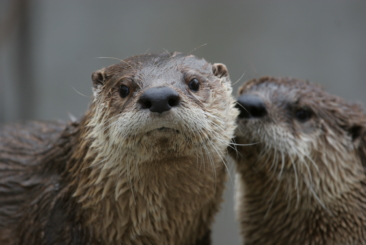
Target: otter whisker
<point>242,107</point>
<point>241,132</point>
<point>272,199</point>
<point>263,159</point>
<point>232,145</point>
<point>211,162</point>
<point>129,176</point>
<point>312,161</point>
<point>216,118</point>
<point>224,161</point>
<point>204,148</point>
<point>296,181</point>
<point>282,165</point>
<point>197,48</point>
<point>166,51</point>
<point>317,198</point>
<point>249,144</point>
<point>274,160</point>
<point>109,58</point>
<point>81,93</point>
<point>263,153</point>
<point>106,125</point>
<point>309,172</point>
<point>238,79</point>
<point>198,155</point>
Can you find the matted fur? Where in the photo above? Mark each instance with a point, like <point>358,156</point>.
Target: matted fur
<point>301,182</point>
<point>132,176</point>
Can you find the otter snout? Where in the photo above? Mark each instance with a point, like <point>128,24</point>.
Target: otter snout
<point>159,99</point>
<point>251,106</point>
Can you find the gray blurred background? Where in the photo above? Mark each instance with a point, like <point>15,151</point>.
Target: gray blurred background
<point>48,50</point>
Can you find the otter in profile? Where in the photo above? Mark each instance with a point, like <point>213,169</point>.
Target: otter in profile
<point>143,166</point>
<point>300,165</point>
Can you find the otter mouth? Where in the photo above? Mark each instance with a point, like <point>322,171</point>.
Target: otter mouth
<point>165,129</point>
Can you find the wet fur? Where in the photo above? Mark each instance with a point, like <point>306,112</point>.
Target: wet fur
<point>301,183</point>
<point>121,175</point>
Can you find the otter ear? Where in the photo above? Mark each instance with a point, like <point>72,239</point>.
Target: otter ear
<point>98,77</point>
<point>220,70</point>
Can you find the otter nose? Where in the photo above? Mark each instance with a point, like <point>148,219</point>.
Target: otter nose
<point>159,99</point>
<point>251,106</point>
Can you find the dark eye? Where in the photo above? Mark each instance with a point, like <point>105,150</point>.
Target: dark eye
<point>194,85</point>
<point>124,91</point>
<point>303,114</point>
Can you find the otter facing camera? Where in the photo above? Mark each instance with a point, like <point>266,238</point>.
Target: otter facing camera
<point>116,174</point>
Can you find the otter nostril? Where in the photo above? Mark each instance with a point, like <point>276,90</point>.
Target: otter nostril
<point>251,106</point>
<point>257,111</point>
<point>244,113</point>
<point>174,101</point>
<point>145,104</point>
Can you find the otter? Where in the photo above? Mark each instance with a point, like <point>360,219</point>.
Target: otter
<point>144,165</point>
<point>300,165</point>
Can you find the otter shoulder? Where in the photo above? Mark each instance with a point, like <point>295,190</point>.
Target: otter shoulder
<point>23,144</point>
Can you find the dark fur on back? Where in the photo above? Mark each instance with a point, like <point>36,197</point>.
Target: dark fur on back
<point>33,158</point>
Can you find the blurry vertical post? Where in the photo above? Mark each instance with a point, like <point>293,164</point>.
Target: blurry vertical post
<point>15,28</point>
<point>25,80</point>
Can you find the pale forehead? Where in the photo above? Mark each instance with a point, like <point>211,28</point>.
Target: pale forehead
<point>160,65</point>
<point>171,70</point>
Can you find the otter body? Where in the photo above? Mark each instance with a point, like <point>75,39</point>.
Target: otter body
<point>300,165</point>
<point>143,166</point>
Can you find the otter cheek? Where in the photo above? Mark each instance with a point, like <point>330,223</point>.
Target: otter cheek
<point>307,127</point>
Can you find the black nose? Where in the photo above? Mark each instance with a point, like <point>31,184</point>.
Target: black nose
<point>251,106</point>
<point>159,99</point>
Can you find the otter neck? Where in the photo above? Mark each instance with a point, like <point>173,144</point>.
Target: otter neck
<point>145,201</point>
<point>269,213</point>
<point>300,210</point>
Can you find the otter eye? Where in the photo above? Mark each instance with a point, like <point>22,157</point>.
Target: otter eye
<point>303,114</point>
<point>124,91</point>
<point>194,85</point>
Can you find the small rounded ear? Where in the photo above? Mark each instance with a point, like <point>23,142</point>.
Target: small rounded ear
<point>220,70</point>
<point>98,78</point>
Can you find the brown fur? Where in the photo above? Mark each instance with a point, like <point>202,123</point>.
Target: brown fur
<point>301,182</point>
<point>122,175</point>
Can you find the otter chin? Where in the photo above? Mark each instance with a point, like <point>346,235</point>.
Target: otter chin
<point>300,165</point>
<point>144,165</point>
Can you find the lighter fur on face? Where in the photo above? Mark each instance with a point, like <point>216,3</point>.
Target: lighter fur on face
<point>156,179</point>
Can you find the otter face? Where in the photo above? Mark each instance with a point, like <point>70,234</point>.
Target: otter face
<point>277,113</point>
<point>165,104</point>
<point>298,132</point>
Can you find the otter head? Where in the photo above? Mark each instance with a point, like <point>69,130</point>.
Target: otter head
<point>157,106</point>
<point>301,141</point>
